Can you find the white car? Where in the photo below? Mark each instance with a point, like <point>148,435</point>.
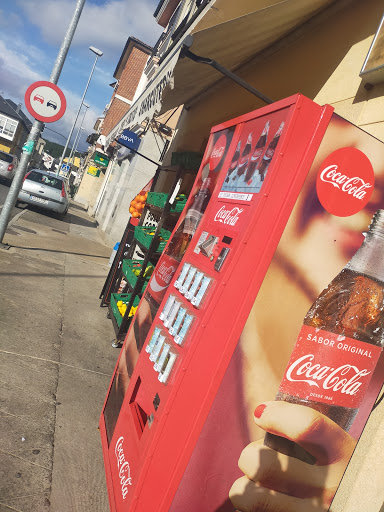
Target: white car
<point>8,164</point>
<point>46,191</point>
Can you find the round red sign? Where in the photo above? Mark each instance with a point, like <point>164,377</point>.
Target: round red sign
<point>217,152</point>
<point>45,101</point>
<point>345,182</point>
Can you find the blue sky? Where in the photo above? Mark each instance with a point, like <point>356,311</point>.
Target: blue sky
<point>31,33</point>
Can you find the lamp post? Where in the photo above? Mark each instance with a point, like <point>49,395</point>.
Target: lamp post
<point>77,138</point>
<point>98,54</point>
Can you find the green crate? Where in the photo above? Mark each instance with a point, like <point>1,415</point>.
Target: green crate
<point>157,199</point>
<point>144,235</point>
<point>178,206</point>
<point>125,297</point>
<point>129,266</point>
<point>151,198</point>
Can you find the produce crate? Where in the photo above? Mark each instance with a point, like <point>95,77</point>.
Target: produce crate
<point>129,266</point>
<point>178,205</point>
<point>151,198</point>
<point>125,298</point>
<point>157,198</point>
<point>145,234</point>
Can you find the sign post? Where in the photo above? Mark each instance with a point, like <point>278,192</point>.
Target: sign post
<point>43,111</point>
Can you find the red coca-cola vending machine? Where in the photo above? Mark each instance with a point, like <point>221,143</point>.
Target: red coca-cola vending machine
<point>228,375</point>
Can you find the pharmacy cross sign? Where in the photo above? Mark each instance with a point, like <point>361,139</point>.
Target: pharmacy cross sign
<point>45,101</point>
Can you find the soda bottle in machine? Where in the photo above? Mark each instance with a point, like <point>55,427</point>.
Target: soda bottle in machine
<point>233,165</point>
<point>245,156</point>
<point>269,152</point>
<point>257,153</point>
<point>339,343</point>
<point>171,257</point>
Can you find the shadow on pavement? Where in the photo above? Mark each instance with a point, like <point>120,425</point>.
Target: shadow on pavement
<point>55,250</point>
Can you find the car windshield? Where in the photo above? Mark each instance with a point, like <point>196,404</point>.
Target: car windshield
<point>44,179</point>
<point>6,157</point>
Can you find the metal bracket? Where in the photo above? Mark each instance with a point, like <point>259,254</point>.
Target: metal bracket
<point>185,52</point>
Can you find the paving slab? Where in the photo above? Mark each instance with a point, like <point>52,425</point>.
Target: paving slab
<point>56,362</point>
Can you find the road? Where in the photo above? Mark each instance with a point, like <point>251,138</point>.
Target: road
<point>4,189</point>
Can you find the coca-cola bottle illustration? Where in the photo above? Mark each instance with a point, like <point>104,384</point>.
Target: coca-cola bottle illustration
<point>171,257</point>
<point>257,153</point>
<point>269,152</point>
<point>232,166</point>
<point>245,156</point>
<point>340,342</point>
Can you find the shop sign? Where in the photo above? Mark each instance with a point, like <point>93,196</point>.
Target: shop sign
<point>129,139</point>
<point>101,160</point>
<point>94,171</point>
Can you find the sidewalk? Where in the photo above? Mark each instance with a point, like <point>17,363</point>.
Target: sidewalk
<point>56,363</point>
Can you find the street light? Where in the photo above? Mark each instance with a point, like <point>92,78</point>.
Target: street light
<point>98,54</point>
<point>77,138</point>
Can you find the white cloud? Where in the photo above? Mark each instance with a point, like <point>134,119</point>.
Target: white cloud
<point>17,71</point>
<point>106,26</point>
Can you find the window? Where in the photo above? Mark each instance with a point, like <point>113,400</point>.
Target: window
<point>8,127</point>
<point>51,181</point>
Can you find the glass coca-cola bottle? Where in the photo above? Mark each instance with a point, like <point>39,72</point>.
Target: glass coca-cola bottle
<point>257,153</point>
<point>232,166</point>
<point>171,257</point>
<point>340,342</point>
<point>245,155</point>
<point>269,152</point>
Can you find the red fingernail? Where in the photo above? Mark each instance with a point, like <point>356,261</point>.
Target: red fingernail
<point>259,410</point>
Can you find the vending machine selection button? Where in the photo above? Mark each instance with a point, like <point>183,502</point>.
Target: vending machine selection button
<point>170,362</point>
<point>194,286</point>
<point>156,349</point>
<point>158,366</point>
<point>198,298</point>
<point>167,308</point>
<point>153,340</point>
<point>184,271</point>
<point>180,337</point>
<point>188,280</point>
<point>220,260</point>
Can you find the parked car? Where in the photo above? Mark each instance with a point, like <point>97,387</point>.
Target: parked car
<point>8,164</point>
<point>46,191</point>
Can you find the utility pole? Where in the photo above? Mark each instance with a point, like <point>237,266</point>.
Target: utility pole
<point>37,127</point>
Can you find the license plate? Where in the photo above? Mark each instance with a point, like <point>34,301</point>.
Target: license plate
<point>38,199</point>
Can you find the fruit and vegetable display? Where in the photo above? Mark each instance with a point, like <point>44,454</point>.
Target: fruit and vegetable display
<point>137,204</point>
<point>123,308</point>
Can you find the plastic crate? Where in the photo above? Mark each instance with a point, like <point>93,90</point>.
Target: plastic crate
<point>125,298</point>
<point>144,235</point>
<point>129,266</point>
<point>151,198</point>
<point>178,205</point>
<point>157,199</point>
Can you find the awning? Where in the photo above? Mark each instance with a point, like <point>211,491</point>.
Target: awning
<point>255,25</point>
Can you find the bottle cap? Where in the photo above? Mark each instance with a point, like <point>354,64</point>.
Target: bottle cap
<point>377,224</point>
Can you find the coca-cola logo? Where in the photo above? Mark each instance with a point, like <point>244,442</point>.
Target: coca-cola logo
<point>345,378</point>
<point>345,182</point>
<point>228,216</point>
<point>217,152</point>
<point>166,272</point>
<point>123,468</point>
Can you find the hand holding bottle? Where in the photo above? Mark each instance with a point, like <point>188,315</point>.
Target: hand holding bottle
<point>274,481</point>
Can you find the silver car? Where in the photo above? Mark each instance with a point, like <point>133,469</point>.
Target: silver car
<point>8,164</point>
<point>45,190</point>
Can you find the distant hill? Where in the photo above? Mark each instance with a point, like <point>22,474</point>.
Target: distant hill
<point>56,150</point>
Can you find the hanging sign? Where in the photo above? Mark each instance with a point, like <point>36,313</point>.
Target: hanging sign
<point>129,139</point>
<point>101,160</point>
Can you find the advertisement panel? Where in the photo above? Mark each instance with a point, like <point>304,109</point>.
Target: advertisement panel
<point>339,376</point>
